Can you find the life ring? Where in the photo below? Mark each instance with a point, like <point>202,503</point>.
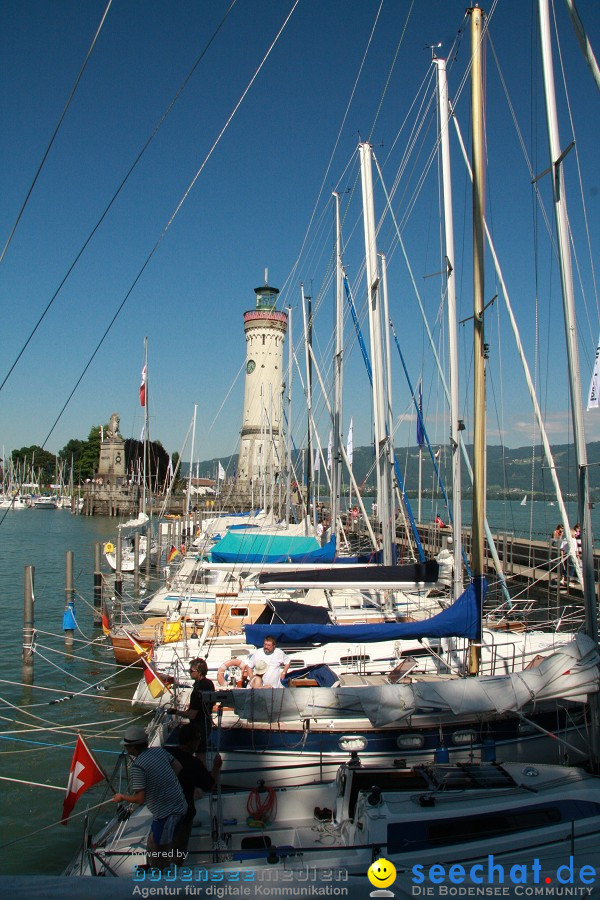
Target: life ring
<point>229,676</point>
<point>109,548</point>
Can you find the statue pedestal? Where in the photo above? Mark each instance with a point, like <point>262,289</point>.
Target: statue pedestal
<point>111,465</point>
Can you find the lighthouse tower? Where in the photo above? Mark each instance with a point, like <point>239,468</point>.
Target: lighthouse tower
<point>261,457</point>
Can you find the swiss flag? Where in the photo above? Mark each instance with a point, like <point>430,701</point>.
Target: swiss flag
<point>85,772</point>
<point>143,386</point>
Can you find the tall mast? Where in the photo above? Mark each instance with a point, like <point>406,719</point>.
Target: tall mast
<point>146,419</point>
<point>566,277</point>
<point>381,436</point>
<point>189,487</point>
<point>479,475</point>
<point>288,442</point>
<point>444,114</point>
<point>307,314</point>
<point>336,468</point>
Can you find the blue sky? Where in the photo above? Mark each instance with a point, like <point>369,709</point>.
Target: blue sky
<point>263,199</point>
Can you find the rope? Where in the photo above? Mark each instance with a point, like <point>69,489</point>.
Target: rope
<point>261,811</point>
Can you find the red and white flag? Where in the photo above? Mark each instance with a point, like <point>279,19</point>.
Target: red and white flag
<point>143,386</point>
<point>85,773</point>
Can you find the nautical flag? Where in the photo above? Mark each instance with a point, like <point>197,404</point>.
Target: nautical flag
<point>317,464</point>
<point>595,383</point>
<point>85,773</point>
<point>154,684</point>
<point>350,444</point>
<point>220,472</point>
<point>172,553</point>
<point>420,433</point>
<point>105,619</point>
<point>329,449</point>
<point>143,386</point>
<point>138,647</point>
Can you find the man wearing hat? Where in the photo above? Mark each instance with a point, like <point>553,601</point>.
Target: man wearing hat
<point>155,784</point>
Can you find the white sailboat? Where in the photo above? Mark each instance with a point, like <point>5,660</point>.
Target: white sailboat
<point>524,501</point>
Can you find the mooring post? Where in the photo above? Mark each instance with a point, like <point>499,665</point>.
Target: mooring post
<point>69,613</point>
<point>148,549</point>
<point>97,585</point>
<point>118,578</point>
<point>28,624</point>
<point>159,537</point>
<point>136,562</point>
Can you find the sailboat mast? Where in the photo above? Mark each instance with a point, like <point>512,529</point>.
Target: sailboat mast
<point>479,450</point>
<point>566,277</point>
<point>288,441</point>
<point>146,396</point>
<point>444,116</point>
<point>336,469</point>
<point>189,486</point>
<point>381,436</point>
<point>307,315</point>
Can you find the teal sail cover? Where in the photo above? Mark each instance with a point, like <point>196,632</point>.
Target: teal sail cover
<point>257,547</point>
<point>461,619</point>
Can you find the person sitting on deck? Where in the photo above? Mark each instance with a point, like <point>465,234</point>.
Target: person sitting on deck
<point>257,679</point>
<point>277,664</point>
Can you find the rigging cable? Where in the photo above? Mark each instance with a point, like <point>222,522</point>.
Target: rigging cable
<point>55,133</point>
<point>172,218</point>
<point>130,171</point>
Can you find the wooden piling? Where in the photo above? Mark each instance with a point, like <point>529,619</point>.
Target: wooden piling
<point>136,562</point>
<point>97,585</point>
<point>28,623</point>
<point>118,572</point>
<point>68,618</point>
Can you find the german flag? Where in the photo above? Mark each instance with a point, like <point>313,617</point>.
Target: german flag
<point>155,685</point>
<point>173,552</point>
<point>138,647</point>
<point>105,619</point>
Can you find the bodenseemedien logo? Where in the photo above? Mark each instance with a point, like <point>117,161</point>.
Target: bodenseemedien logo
<point>524,880</point>
<point>381,874</point>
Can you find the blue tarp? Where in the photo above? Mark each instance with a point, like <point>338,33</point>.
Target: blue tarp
<point>253,547</point>
<point>461,619</point>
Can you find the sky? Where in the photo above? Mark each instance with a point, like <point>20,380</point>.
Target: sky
<point>239,177</point>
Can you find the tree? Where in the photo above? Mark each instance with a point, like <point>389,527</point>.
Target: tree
<point>35,464</point>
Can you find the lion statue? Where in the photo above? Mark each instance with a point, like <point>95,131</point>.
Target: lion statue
<point>113,427</point>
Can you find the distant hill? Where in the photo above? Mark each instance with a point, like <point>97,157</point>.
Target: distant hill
<point>510,471</point>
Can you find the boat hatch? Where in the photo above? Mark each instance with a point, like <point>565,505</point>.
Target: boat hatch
<point>441,831</point>
<point>386,780</point>
<point>470,775</point>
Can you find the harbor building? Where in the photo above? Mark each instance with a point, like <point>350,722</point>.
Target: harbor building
<point>261,461</point>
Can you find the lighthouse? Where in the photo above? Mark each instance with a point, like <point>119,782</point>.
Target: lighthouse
<point>261,458</point>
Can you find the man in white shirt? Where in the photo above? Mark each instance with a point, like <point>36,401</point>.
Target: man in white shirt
<point>276,660</point>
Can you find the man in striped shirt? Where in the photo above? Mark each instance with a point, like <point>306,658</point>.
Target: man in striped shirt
<point>155,784</point>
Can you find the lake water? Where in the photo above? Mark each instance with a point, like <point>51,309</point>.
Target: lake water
<point>37,734</point>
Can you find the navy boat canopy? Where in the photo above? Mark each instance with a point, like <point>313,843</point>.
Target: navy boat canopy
<point>461,619</point>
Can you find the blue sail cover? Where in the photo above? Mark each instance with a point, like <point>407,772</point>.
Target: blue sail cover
<point>461,619</point>
<point>253,547</point>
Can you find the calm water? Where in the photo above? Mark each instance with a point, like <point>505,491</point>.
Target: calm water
<point>42,750</point>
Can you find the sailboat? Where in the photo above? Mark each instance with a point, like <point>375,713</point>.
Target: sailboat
<point>524,501</point>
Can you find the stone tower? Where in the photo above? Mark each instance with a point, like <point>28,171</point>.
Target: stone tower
<point>262,446</point>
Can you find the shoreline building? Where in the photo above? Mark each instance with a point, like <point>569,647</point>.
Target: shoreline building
<point>261,460</point>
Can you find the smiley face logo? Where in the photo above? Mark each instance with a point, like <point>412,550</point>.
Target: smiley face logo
<point>381,873</point>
